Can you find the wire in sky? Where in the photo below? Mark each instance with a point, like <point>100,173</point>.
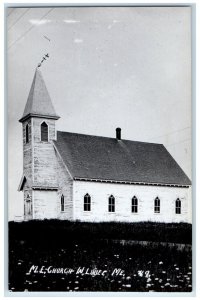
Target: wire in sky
<point>19,18</point>
<point>29,29</point>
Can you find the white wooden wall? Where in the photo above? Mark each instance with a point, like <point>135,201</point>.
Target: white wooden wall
<point>44,159</point>
<point>123,194</point>
<point>45,204</point>
<point>27,152</point>
<point>65,184</point>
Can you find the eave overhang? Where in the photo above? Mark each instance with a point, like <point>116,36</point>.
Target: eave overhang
<point>132,182</point>
<point>43,187</point>
<point>55,117</point>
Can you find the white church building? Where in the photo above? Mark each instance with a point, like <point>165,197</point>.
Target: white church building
<point>82,177</point>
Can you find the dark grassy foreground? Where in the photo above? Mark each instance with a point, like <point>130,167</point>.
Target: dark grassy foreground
<point>58,246</point>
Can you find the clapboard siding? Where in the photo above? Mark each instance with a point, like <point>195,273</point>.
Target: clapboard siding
<point>65,188</point>
<point>27,168</point>
<point>44,165</point>
<point>123,194</point>
<point>45,204</point>
<point>27,152</point>
<point>44,160</point>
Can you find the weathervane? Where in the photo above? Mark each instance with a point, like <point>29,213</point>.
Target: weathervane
<point>43,59</point>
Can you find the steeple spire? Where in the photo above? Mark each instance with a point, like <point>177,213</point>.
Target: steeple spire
<point>39,102</point>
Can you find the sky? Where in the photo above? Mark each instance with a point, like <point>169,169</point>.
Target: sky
<point>127,67</point>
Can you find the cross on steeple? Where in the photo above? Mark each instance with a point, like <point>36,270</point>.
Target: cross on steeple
<point>43,59</point>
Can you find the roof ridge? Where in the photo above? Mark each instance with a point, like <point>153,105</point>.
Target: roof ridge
<point>107,137</point>
<point>89,156</point>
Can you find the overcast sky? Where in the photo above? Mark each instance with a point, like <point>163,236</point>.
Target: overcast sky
<point>126,67</point>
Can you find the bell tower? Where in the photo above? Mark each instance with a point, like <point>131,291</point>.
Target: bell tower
<point>39,129</point>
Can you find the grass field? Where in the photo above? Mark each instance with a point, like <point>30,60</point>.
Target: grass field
<point>48,255</point>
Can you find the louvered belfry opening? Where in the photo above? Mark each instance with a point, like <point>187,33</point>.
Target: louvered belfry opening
<point>44,132</point>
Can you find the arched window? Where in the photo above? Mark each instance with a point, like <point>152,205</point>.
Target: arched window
<point>87,202</point>
<point>62,203</point>
<point>134,205</point>
<point>44,132</point>
<point>111,204</point>
<point>157,205</point>
<point>27,134</point>
<point>178,206</point>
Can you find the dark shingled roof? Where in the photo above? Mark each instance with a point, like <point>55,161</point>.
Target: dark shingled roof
<point>39,102</point>
<point>95,157</point>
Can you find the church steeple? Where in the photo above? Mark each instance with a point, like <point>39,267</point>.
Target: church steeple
<point>38,132</point>
<point>39,102</point>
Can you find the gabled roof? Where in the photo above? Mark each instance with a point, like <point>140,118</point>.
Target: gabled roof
<point>39,102</point>
<point>95,157</point>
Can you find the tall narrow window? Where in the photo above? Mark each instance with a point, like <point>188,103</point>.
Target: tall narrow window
<point>27,134</point>
<point>111,204</point>
<point>44,132</point>
<point>157,205</point>
<point>62,202</point>
<point>178,206</point>
<point>134,205</point>
<point>87,202</point>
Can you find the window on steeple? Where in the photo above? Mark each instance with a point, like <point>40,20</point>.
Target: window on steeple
<point>44,132</point>
<point>27,134</point>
